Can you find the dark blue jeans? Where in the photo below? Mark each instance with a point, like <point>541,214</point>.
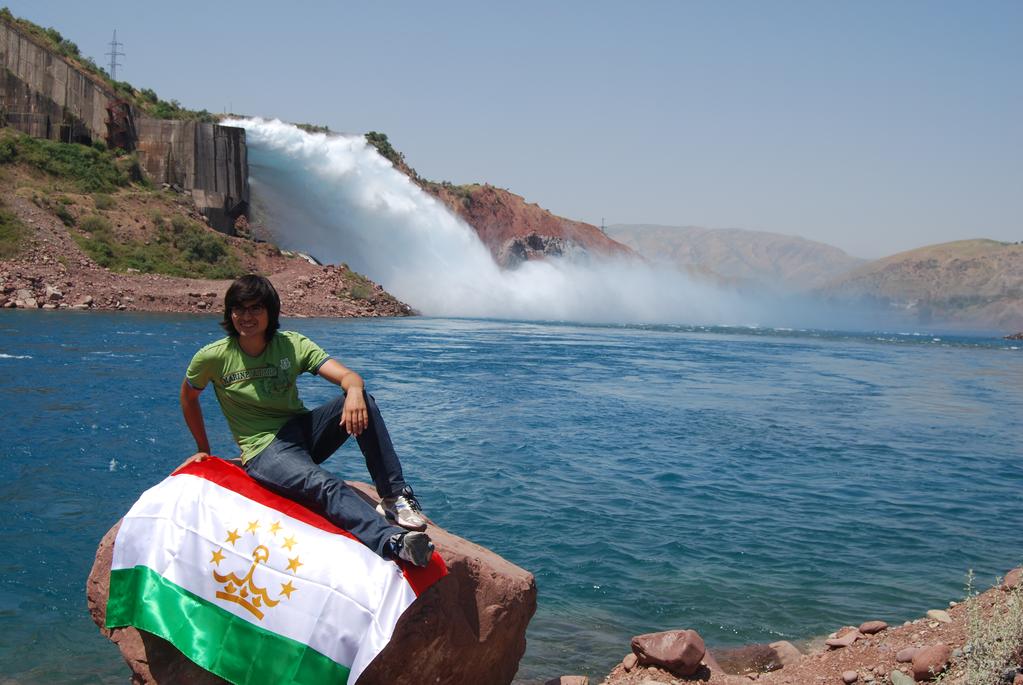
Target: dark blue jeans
<point>290,467</point>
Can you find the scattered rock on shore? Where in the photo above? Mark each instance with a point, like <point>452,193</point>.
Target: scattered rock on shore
<point>876,653</point>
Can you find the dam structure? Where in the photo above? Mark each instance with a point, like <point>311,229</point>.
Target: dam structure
<point>45,95</point>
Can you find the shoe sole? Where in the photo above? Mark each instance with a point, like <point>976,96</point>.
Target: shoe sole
<point>393,519</point>
<point>420,549</point>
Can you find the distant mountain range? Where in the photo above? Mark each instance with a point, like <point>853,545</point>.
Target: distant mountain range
<point>968,283</point>
<point>742,257</point>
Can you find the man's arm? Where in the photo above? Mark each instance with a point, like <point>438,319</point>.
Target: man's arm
<point>192,411</point>
<point>354,416</point>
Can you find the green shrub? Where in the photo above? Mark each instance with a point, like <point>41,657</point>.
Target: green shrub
<point>994,637</point>
<point>359,288</point>
<point>96,225</point>
<point>203,246</point>
<point>159,223</point>
<point>8,151</point>
<point>64,215</point>
<point>180,224</point>
<point>103,201</point>
<point>384,147</point>
<point>12,234</point>
<point>314,128</point>
<point>361,291</point>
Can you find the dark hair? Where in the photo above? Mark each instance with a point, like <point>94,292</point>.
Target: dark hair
<point>247,289</point>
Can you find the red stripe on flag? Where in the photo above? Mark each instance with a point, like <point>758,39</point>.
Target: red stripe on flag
<point>234,478</point>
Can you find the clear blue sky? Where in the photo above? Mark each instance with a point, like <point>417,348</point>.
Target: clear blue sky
<point>873,126</point>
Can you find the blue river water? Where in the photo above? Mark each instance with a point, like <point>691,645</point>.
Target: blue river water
<point>752,484</point>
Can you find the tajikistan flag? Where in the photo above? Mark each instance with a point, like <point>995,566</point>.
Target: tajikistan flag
<point>250,585</point>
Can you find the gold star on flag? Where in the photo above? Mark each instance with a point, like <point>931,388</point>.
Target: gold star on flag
<point>275,527</point>
<point>217,557</point>
<point>293,564</point>
<point>289,542</point>
<point>287,589</point>
<point>253,525</point>
<point>232,537</point>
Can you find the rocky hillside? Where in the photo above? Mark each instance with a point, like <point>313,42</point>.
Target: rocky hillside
<point>966,282</point>
<point>514,230</point>
<point>753,258</point>
<point>79,229</point>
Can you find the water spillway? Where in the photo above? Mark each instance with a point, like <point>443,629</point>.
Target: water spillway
<point>334,197</point>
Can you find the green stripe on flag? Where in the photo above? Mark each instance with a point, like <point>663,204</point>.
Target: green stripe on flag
<point>217,640</point>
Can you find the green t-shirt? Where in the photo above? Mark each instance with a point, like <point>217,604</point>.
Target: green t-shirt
<point>257,394</point>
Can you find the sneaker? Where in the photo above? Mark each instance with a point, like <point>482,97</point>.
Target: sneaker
<point>415,548</point>
<point>403,510</point>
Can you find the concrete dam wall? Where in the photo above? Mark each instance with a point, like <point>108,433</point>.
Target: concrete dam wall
<point>45,96</point>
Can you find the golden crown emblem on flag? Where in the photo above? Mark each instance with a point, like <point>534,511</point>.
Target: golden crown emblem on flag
<point>243,590</point>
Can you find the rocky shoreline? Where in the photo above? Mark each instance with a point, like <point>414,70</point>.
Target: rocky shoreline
<point>935,646</point>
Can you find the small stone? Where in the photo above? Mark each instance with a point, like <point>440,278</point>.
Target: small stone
<point>53,294</point>
<point>900,678</point>
<point>930,661</point>
<point>939,615</point>
<point>872,627</point>
<point>569,680</point>
<point>904,656</point>
<point>850,677</point>
<point>629,662</point>
<point>49,305</point>
<point>845,641</point>
<point>1018,680</point>
<point>1012,579</point>
<point>786,652</point>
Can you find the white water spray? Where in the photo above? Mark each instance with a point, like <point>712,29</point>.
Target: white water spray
<point>335,198</point>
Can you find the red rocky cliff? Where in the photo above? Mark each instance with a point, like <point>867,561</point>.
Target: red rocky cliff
<point>513,230</point>
<point>516,231</point>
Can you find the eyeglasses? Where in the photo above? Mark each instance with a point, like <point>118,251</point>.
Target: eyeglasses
<point>251,310</point>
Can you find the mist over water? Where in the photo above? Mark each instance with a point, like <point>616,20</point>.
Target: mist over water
<point>333,197</point>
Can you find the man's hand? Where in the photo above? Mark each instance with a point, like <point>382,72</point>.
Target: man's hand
<point>197,457</point>
<point>355,416</point>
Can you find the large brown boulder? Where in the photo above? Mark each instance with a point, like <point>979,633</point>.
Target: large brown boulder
<point>469,627</point>
<point>677,651</point>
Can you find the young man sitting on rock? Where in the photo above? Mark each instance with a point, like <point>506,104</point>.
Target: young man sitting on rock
<point>254,372</point>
